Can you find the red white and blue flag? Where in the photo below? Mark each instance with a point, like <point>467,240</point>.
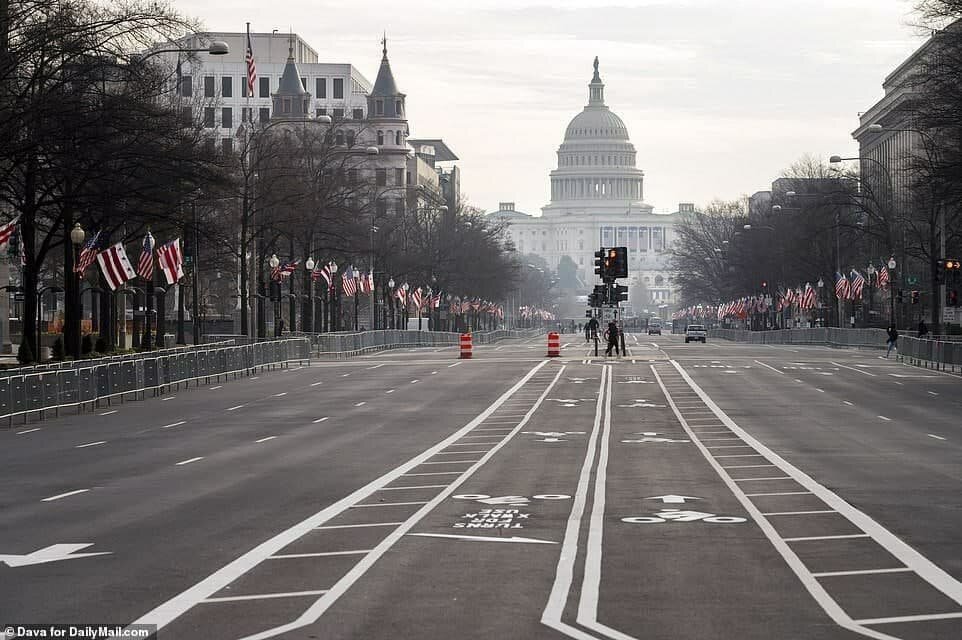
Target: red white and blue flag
<point>401,294</point>
<point>7,230</point>
<point>857,284</point>
<point>145,268</point>
<point>251,67</point>
<point>349,282</point>
<point>115,266</point>
<point>416,298</point>
<point>289,269</point>
<point>883,276</point>
<point>843,289</point>
<point>87,254</point>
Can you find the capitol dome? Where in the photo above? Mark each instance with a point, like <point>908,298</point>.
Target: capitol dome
<point>596,122</point>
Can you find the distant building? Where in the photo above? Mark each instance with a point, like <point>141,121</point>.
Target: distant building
<point>597,200</point>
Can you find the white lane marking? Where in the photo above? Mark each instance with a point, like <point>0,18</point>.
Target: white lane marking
<point>433,473</point>
<point>254,377</point>
<point>798,513</point>
<point>839,537</point>
<point>64,495</point>
<point>884,418</point>
<point>779,493</point>
<point>414,381</point>
<point>458,453</point>
<point>321,419</point>
<point>482,538</point>
<point>564,575</point>
<point>267,596</point>
<point>741,455</point>
<point>217,387</point>
<point>453,365</point>
<point>320,554</point>
<point>921,618</point>
<point>314,384</point>
<point>20,433</point>
<point>452,462</point>
<point>387,504</point>
<point>360,404</point>
<point>898,383</point>
<point>354,526</point>
<point>174,424</point>
<point>416,486</point>
<point>922,566</point>
<point>749,466</point>
<point>848,403</point>
<point>344,375</point>
<point>377,366</point>
<point>715,439</point>
<point>240,406</point>
<point>90,444</point>
<point>280,395</point>
<point>183,462</point>
<point>797,380</point>
<point>265,439</point>
<point>932,393</point>
<point>864,373</point>
<point>757,479</point>
<point>779,371</point>
<point>932,435</point>
<point>166,612</point>
<point>389,391</point>
<point>167,398</point>
<point>820,390</point>
<point>107,413</point>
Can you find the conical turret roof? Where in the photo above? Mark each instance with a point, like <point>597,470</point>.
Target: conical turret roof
<point>384,84</point>
<point>290,84</point>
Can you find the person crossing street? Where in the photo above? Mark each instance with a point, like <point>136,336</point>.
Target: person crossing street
<point>612,334</point>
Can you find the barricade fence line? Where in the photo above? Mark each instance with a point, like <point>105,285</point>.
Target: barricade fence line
<point>944,355</point>
<point>37,392</point>
<point>346,345</point>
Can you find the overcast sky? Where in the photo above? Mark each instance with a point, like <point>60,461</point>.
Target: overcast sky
<point>719,96</point>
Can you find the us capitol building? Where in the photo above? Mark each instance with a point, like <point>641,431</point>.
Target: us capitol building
<point>597,199</point>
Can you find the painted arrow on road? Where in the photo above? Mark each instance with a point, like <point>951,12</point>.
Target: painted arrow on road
<point>53,553</point>
<point>483,538</point>
<point>673,499</point>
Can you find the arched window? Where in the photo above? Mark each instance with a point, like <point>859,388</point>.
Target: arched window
<point>390,136</point>
<point>397,139</point>
<point>339,138</point>
<point>350,137</point>
<point>380,138</point>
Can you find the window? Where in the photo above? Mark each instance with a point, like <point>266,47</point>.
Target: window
<point>339,138</point>
<point>304,83</point>
<point>380,177</point>
<point>243,84</point>
<point>227,145</point>
<point>379,107</point>
<point>350,137</point>
<point>209,146</point>
<point>246,114</point>
<point>397,108</point>
<point>226,118</point>
<point>227,87</point>
<point>264,114</point>
<point>306,107</point>
<point>380,138</point>
<point>209,86</point>
<point>338,113</point>
<point>286,105</point>
<point>381,207</point>
<point>186,86</point>
<point>358,114</point>
<point>320,112</point>
<point>408,176</point>
<point>399,177</point>
<point>265,87</point>
<point>397,139</point>
<point>338,88</point>
<point>186,116</point>
<point>320,88</point>
<point>209,117</point>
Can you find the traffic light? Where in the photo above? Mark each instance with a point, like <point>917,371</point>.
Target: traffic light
<point>616,262</point>
<point>899,297</point>
<point>619,293</point>
<point>915,297</point>
<point>951,298</point>
<point>600,265</point>
<point>764,285</point>
<point>13,246</point>
<point>940,266</point>
<point>954,267</point>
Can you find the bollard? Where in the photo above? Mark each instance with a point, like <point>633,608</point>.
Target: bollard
<point>554,344</point>
<point>466,346</point>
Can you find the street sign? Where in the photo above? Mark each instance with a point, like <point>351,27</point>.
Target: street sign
<point>950,315</point>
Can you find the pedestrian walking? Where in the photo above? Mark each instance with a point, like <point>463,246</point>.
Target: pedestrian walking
<point>611,334</point>
<point>591,329</point>
<point>892,340</point>
<point>923,330</point>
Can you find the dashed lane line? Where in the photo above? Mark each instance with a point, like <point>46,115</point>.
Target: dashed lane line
<point>864,373</point>
<point>167,398</point>
<point>108,413</point>
<point>20,433</point>
<point>90,444</point>
<point>280,395</point>
<point>453,365</point>
<point>389,391</point>
<point>265,439</point>
<point>932,435</point>
<point>360,404</point>
<point>388,504</point>
<point>320,554</point>
<point>314,384</point>
<point>188,461</point>
<point>848,403</point>
<point>215,388</point>
<point>321,419</point>
<point>174,424</point>
<point>60,496</point>
<point>884,418</point>
<point>240,406</point>
<point>267,596</point>
<point>932,393</point>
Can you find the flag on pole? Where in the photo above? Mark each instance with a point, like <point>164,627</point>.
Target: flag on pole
<point>145,267</point>
<point>7,230</point>
<point>88,253</point>
<point>857,283</point>
<point>115,266</point>
<point>289,268</point>
<point>401,295</point>
<point>842,287</point>
<point>416,298</point>
<point>171,261</point>
<point>883,276</point>
<point>251,67</point>
<point>348,283</point>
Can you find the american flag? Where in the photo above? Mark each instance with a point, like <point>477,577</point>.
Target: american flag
<point>842,287</point>
<point>115,266</point>
<point>328,274</point>
<point>809,299</point>
<point>171,261</point>
<point>145,267</point>
<point>883,276</point>
<point>276,272</point>
<point>436,300</point>
<point>87,254</point>
<point>858,282</point>
<point>7,231</point>
<point>401,295</point>
<point>289,268</point>
<point>348,282</point>
<point>416,297</point>
<point>251,67</point>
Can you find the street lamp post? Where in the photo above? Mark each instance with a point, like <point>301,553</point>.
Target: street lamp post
<point>870,271</point>
<point>309,265</point>
<point>892,265</point>
<point>821,288</point>
<point>274,263</point>
<point>404,315</point>
<point>390,305</point>
<point>77,236</point>
<point>333,298</point>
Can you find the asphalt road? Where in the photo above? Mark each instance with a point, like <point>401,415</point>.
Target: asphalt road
<point>679,492</point>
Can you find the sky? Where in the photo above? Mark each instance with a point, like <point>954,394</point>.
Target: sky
<point>719,96</point>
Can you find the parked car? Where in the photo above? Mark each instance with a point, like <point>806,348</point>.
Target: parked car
<point>654,328</point>
<point>696,332</point>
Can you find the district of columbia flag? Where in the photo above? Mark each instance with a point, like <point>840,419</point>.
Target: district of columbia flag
<point>7,230</point>
<point>171,261</point>
<point>145,267</point>
<point>115,266</point>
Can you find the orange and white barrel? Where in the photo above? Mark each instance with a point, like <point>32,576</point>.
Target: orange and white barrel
<point>466,346</point>
<point>554,344</point>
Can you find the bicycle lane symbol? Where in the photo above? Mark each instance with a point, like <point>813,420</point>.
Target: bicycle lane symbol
<point>683,515</point>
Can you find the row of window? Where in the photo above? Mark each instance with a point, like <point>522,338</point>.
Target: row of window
<point>617,160</point>
<point>635,238</point>
<point>264,115</point>
<point>263,87</point>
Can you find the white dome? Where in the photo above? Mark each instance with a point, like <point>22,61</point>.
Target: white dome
<point>596,122</point>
